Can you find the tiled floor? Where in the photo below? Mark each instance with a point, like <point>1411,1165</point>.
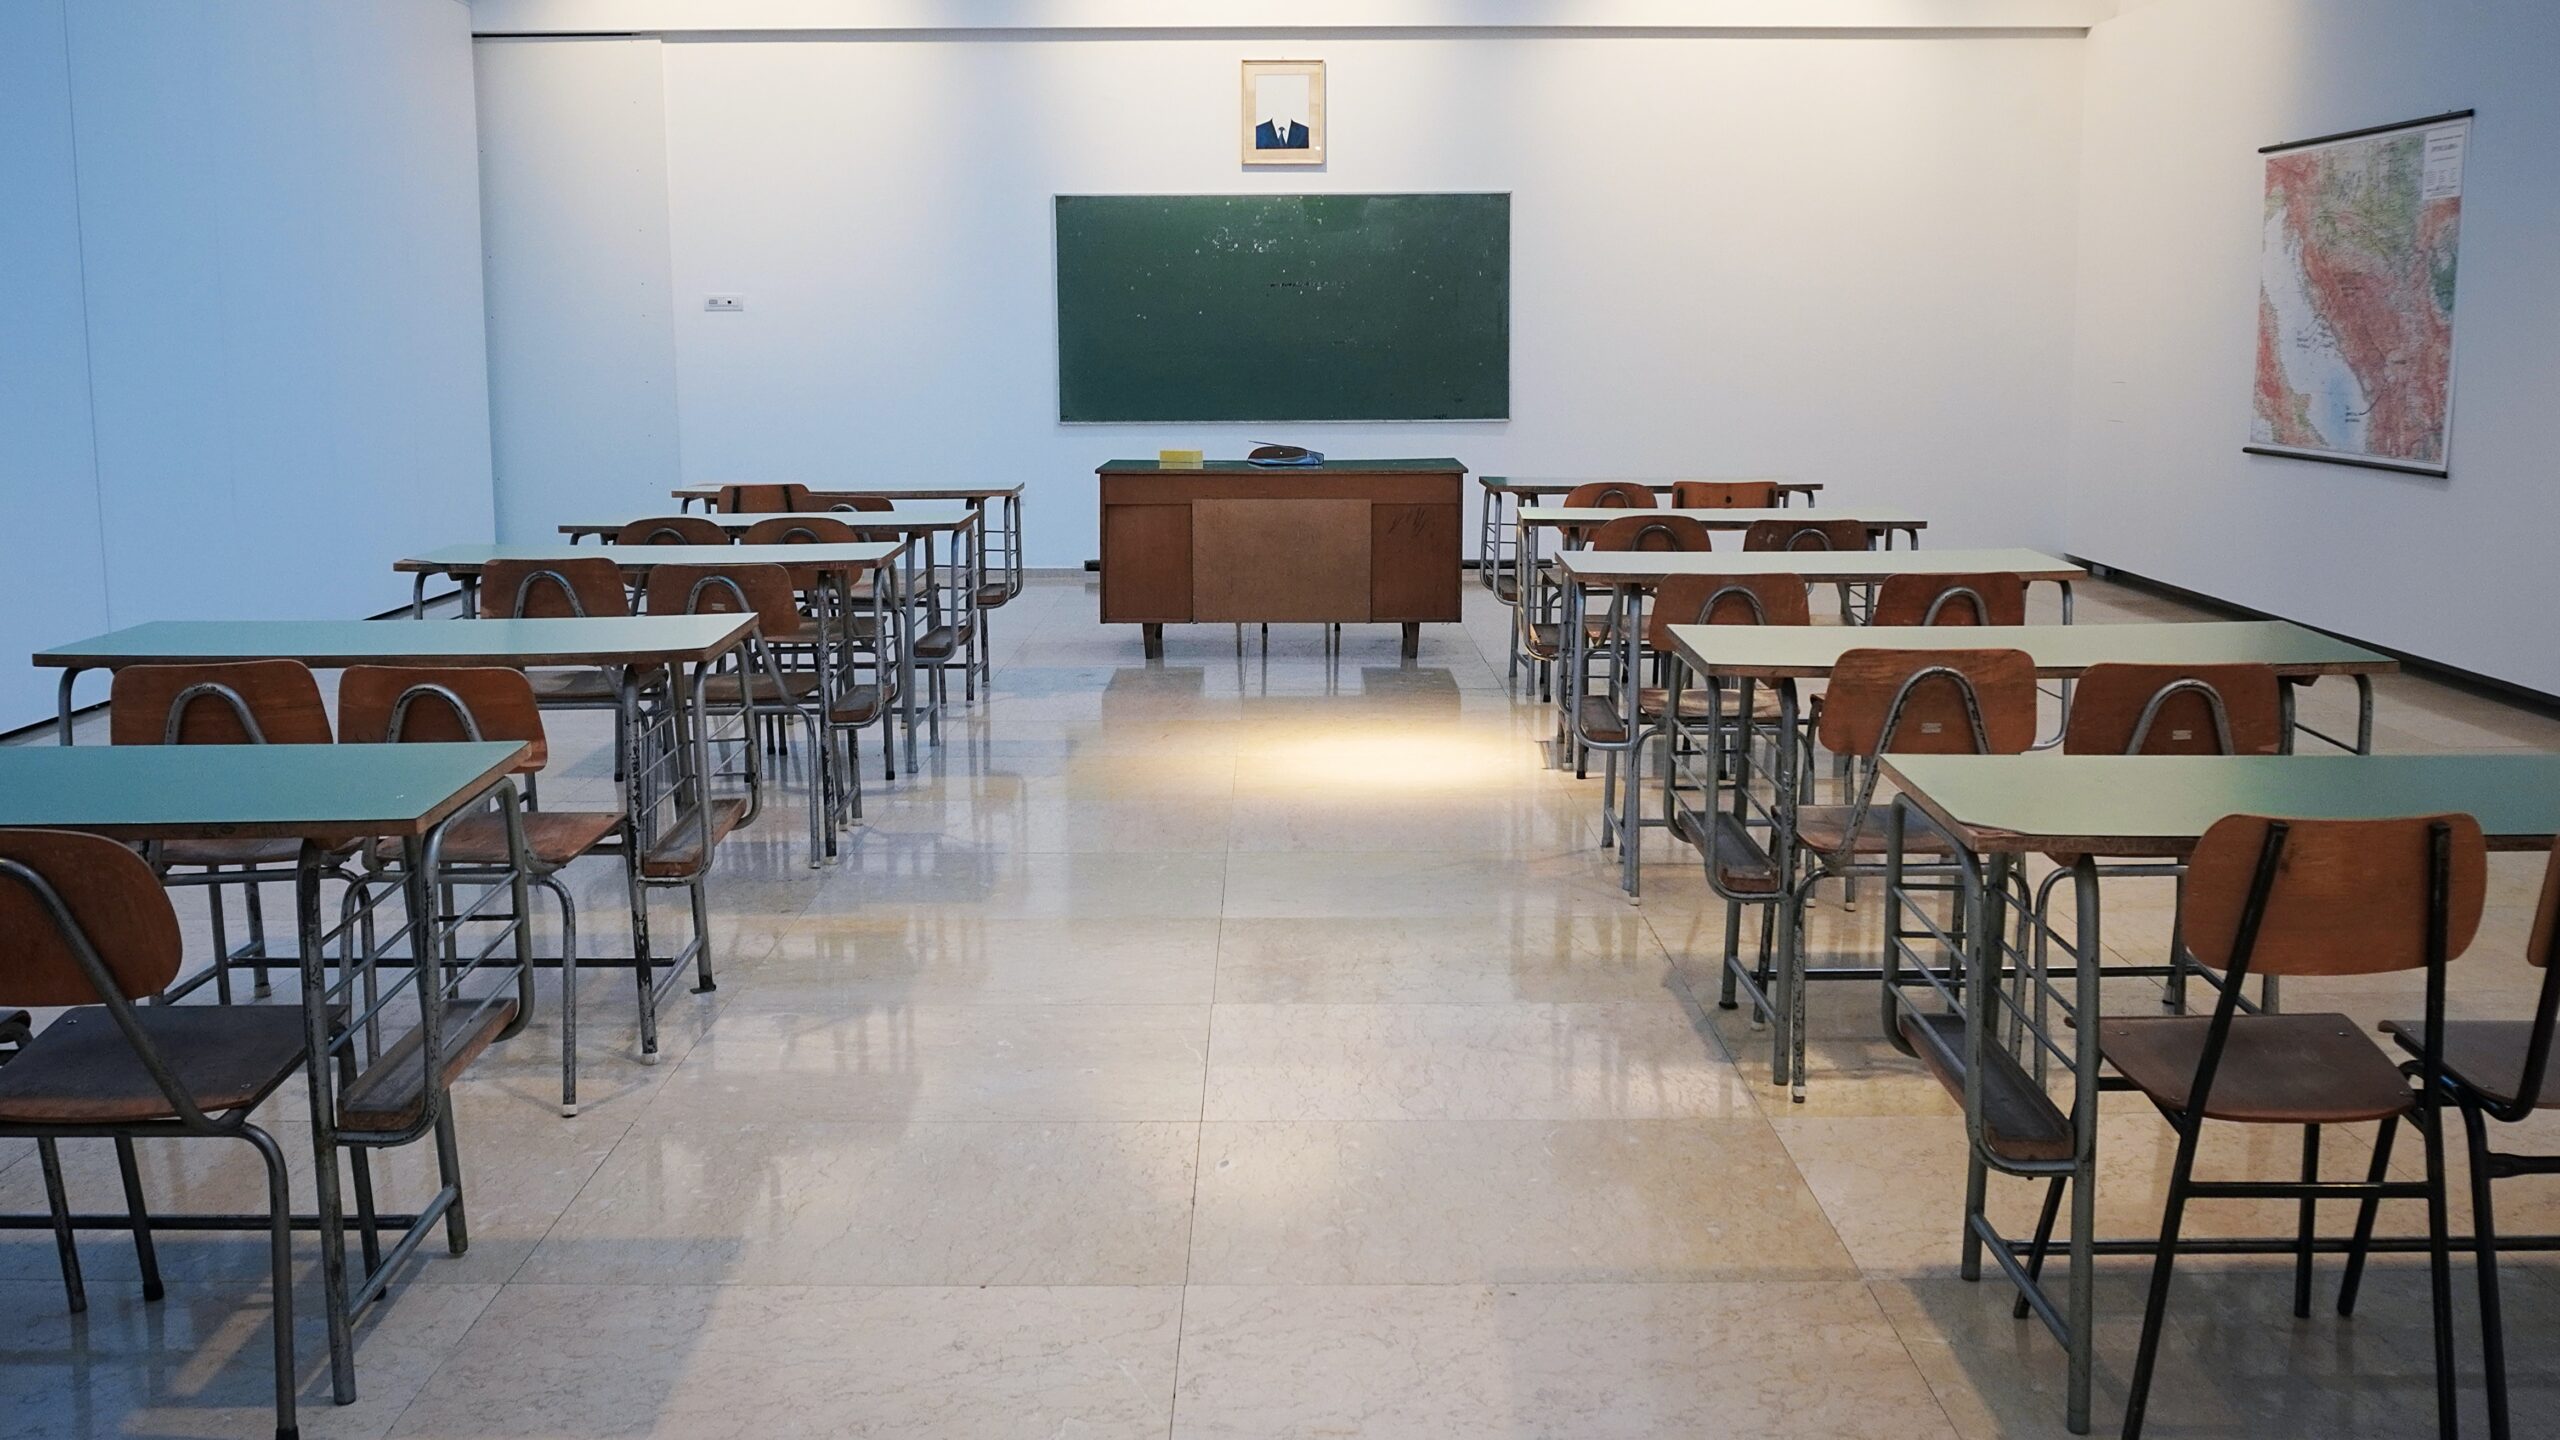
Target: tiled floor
<point>1245,1046</point>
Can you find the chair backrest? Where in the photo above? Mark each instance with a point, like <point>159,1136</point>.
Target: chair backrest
<point>800,530</point>
<point>2175,710</point>
<point>1610,495</point>
<point>1807,534</point>
<point>397,704</point>
<point>864,502</point>
<point>1990,598</point>
<point>763,499</point>
<point>1651,532</point>
<point>2336,897</point>
<point>552,589</point>
<point>1725,600</point>
<point>673,530</point>
<point>109,896</point>
<point>1925,702</point>
<point>1724,495</point>
<point>237,702</point>
<point>764,591</point>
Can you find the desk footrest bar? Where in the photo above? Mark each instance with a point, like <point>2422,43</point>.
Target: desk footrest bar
<point>412,1236</point>
<point>122,1223</point>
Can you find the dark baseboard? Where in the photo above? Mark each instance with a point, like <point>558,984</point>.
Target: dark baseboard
<point>2490,686</point>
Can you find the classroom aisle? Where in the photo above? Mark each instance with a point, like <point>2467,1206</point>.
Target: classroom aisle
<point>1240,1046</point>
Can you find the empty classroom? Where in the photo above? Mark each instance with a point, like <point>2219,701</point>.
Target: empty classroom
<point>1416,721</point>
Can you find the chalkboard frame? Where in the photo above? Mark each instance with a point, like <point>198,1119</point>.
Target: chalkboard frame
<point>1495,410</point>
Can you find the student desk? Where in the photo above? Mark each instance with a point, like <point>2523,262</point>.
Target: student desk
<point>1494,530</point>
<point>677,822</point>
<point>2000,1034</point>
<point>999,537</point>
<point>1626,574</point>
<point>1784,655</point>
<point>325,796</point>
<point>1231,542</point>
<point>465,562</point>
<point>923,523</point>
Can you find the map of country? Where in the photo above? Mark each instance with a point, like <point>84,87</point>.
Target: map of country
<point>2355,299</point>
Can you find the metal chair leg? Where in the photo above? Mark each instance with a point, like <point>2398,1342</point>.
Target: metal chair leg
<point>569,990</point>
<point>280,1275</point>
<point>145,1253</point>
<point>49,1157</point>
<point>2484,1229</point>
<point>2155,1307</point>
<point>2044,1239</point>
<point>2365,1212</point>
<point>457,1229</point>
<point>2306,1224</point>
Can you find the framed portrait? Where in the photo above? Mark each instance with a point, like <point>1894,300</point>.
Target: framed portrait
<point>1284,112</point>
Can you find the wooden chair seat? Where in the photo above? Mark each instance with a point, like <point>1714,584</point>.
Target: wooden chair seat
<point>680,851</point>
<point>555,837</point>
<point>859,705</point>
<point>2276,1069</point>
<point>797,685</point>
<point>1506,588</point>
<point>1651,699</point>
<point>993,594</point>
<point>1743,866</point>
<point>81,1069</point>
<point>941,642</point>
<point>1545,640</point>
<point>238,852</point>
<point>2019,1119</point>
<point>2487,1055</point>
<point>573,687</point>
<point>1826,828</point>
<point>391,1093</point>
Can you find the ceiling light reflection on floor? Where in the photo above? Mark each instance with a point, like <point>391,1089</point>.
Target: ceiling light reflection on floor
<point>1364,761</point>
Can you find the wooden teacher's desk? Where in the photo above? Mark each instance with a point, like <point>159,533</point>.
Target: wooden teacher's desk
<point>1232,543</point>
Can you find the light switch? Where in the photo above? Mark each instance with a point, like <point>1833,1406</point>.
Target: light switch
<point>725,302</point>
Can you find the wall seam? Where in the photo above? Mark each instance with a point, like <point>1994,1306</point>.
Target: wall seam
<point>88,332</point>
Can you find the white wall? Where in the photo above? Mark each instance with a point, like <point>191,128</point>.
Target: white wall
<point>582,363</point>
<point>273,273</point>
<point>2181,93</point>
<point>1846,259</point>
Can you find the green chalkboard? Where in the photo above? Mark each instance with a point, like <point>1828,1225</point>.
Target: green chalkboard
<point>1284,307</point>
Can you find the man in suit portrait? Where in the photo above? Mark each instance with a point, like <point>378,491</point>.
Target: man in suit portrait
<point>1282,99</point>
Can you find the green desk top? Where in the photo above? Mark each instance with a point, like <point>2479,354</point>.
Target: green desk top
<point>332,644</point>
<point>1330,467</point>
<point>1877,517</point>
<point>1769,652</point>
<point>910,517</point>
<point>885,492</point>
<point>1534,485</point>
<point>1652,567</point>
<point>471,559</point>
<point>2160,804</point>
<point>324,793</point>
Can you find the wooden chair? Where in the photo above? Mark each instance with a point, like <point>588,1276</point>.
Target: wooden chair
<point>854,704</point>
<point>1881,702</point>
<point>2129,709</point>
<point>1653,532</point>
<point>1724,495</point>
<point>1981,599</point>
<point>764,499</point>
<point>557,590</point>
<point>1808,534</point>
<point>1611,495</point>
<point>2125,709</point>
<point>763,685</point>
<point>2314,898</point>
<point>673,530</point>
<point>248,702</point>
<point>84,924</point>
<point>396,704</point>
<point>2493,1070</point>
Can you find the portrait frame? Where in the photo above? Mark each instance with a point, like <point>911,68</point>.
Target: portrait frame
<point>1288,79</point>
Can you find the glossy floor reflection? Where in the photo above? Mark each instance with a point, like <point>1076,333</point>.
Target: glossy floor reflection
<point>1245,1045</point>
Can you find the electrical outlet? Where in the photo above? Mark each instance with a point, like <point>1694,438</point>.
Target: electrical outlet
<point>725,302</point>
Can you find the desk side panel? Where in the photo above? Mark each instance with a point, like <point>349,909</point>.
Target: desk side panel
<point>1146,562</point>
